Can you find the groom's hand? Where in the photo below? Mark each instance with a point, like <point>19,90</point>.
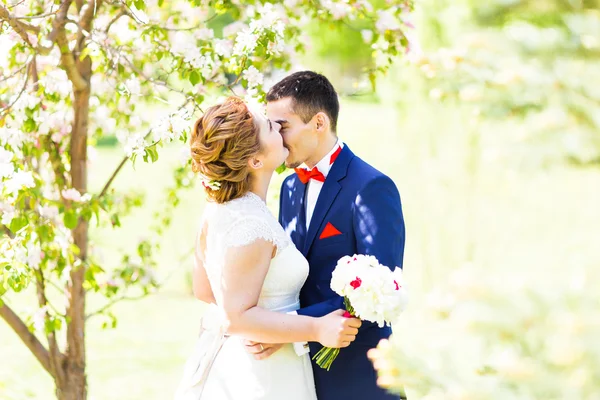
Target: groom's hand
<point>261,350</point>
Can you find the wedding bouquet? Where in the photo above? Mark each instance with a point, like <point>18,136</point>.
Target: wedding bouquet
<point>371,292</point>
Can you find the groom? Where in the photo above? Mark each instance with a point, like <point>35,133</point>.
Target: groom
<point>339,205</point>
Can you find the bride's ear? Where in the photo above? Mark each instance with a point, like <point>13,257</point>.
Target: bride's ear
<point>255,163</point>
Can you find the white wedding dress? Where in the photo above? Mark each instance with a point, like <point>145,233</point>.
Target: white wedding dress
<point>220,368</point>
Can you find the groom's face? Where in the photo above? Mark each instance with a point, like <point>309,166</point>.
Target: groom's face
<point>300,138</point>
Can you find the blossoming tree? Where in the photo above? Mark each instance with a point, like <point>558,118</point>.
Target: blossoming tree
<point>73,71</point>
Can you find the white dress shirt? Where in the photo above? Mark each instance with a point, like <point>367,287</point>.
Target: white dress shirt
<point>314,186</point>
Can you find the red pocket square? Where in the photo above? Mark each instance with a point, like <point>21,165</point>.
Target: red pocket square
<point>329,231</point>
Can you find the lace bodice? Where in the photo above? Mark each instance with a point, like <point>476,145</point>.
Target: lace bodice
<point>241,222</point>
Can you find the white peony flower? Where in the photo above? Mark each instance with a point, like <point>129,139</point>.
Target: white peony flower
<point>375,292</point>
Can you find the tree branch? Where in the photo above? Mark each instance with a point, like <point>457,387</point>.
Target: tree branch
<point>19,27</point>
<point>89,13</point>
<point>56,357</point>
<point>28,338</point>
<point>6,109</point>
<point>7,232</point>
<point>113,302</point>
<point>122,13</point>
<point>113,176</point>
<point>67,58</point>
<point>124,160</point>
<point>124,297</point>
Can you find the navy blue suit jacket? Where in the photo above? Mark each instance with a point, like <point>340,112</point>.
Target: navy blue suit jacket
<point>364,205</point>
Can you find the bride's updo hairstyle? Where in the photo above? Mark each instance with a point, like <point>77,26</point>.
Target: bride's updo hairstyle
<point>222,141</point>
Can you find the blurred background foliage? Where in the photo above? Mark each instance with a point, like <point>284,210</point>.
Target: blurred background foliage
<point>490,129</point>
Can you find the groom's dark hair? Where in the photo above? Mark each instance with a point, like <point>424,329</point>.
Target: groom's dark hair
<point>311,94</point>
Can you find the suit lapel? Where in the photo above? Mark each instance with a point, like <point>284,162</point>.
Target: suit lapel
<point>329,192</point>
<point>298,212</point>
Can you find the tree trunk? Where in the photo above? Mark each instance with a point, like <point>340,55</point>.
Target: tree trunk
<point>74,384</point>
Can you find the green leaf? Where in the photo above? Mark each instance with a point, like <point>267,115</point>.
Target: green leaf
<point>140,4</point>
<point>18,223</point>
<point>160,3</point>
<point>150,152</point>
<point>114,220</point>
<point>70,219</point>
<point>194,78</point>
<point>281,169</point>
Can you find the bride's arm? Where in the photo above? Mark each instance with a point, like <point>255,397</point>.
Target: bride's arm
<point>200,283</point>
<point>243,276</point>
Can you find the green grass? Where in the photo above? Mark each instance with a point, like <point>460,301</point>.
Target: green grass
<point>469,197</point>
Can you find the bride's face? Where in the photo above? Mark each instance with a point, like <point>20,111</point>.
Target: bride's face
<point>272,153</point>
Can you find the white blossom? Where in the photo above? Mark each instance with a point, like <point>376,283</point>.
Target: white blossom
<point>183,43</point>
<point>367,35</point>
<point>245,43</point>
<point>74,195</point>
<point>205,34</point>
<point>39,319</point>
<point>223,47</point>
<point>34,255</point>
<point>268,16</point>
<point>135,145</point>
<point>19,180</point>
<point>253,76</point>
<point>203,63</point>
<point>133,86</point>
<point>185,154</point>
<point>386,21</point>
<point>234,28</point>
<point>172,127</point>
<point>56,81</point>
<point>6,166</point>
<point>8,212</point>
<point>338,9</point>
<point>49,212</point>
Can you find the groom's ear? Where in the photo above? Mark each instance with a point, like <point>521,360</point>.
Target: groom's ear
<point>321,122</point>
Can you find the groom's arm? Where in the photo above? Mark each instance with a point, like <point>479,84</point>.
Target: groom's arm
<point>379,223</point>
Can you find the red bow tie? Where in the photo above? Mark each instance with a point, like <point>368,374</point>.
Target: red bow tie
<point>305,175</point>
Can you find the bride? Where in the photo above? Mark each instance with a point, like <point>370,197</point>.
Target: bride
<point>248,269</point>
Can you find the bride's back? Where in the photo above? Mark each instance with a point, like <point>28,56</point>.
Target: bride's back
<point>239,223</point>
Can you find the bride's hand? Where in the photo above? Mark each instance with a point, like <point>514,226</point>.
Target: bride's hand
<point>260,351</point>
<point>336,331</point>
